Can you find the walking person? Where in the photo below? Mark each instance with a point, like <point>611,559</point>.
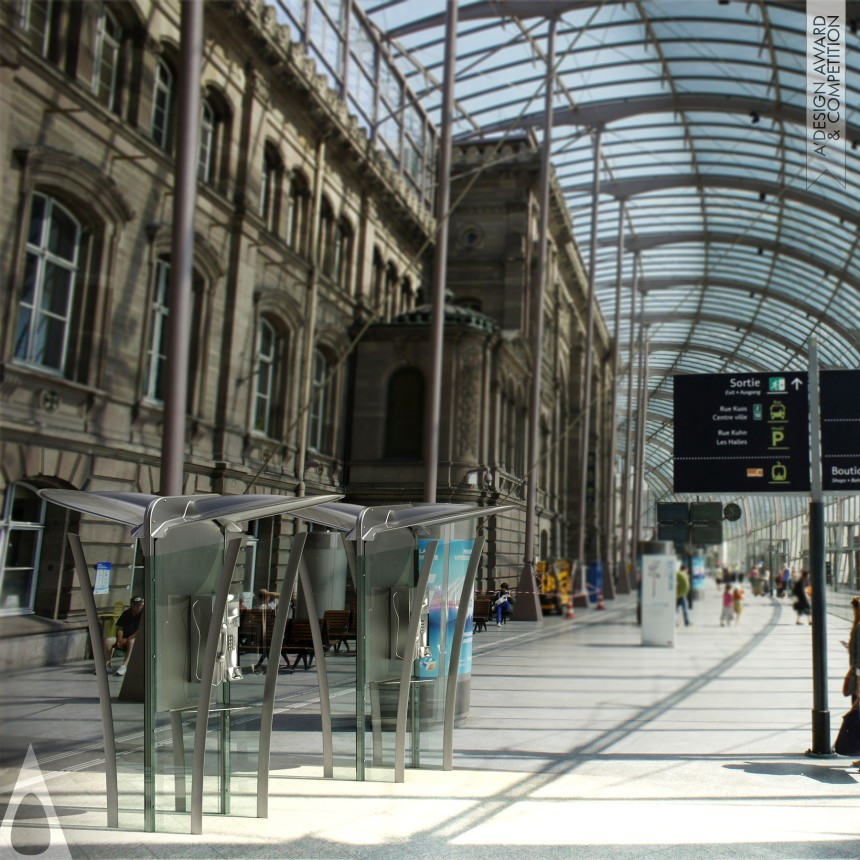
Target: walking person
<point>848,739</point>
<point>728,613</point>
<point>801,604</point>
<point>851,686</point>
<point>783,581</point>
<point>738,603</point>
<point>682,589</point>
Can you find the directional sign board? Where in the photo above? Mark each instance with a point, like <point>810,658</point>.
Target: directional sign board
<point>741,433</point>
<point>840,429</point>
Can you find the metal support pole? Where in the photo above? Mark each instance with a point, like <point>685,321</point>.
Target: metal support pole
<point>308,393</point>
<point>440,263</point>
<point>820,712</point>
<point>589,359</point>
<point>530,610</point>
<point>628,543</point>
<point>642,414</point>
<point>611,543</point>
<point>182,251</point>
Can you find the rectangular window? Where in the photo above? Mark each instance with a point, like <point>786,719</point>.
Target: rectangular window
<point>206,155</point>
<point>265,371</point>
<point>48,284</point>
<point>36,18</point>
<point>317,410</point>
<point>162,98</point>
<point>21,531</point>
<point>106,65</point>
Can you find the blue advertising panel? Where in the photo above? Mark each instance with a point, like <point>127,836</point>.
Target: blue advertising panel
<point>444,600</point>
<point>697,569</point>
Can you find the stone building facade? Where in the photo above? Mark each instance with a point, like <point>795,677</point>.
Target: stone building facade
<point>314,230</point>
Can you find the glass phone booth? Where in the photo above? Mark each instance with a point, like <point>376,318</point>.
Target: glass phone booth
<point>192,730</point>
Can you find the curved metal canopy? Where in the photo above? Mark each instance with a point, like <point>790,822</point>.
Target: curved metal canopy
<point>701,108</point>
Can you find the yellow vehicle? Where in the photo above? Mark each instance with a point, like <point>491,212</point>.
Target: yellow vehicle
<point>555,585</point>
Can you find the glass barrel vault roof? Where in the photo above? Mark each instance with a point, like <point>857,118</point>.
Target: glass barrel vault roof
<point>702,112</point>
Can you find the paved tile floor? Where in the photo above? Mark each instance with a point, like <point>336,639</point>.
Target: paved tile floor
<point>579,743</point>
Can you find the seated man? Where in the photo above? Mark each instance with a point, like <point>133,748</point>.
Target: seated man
<point>503,602</point>
<point>126,631</point>
<point>268,599</point>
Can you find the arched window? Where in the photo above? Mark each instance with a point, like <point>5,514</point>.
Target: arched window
<point>156,352</point>
<point>161,127</point>
<point>43,327</point>
<point>106,58</point>
<point>214,139</point>
<point>406,295</point>
<point>341,269</point>
<point>21,529</point>
<point>269,374</point>
<point>319,405</point>
<point>391,291</point>
<point>208,133</point>
<point>297,223</point>
<point>325,252</point>
<point>39,19</point>
<point>377,283</point>
<point>271,181</point>
<point>404,415</point>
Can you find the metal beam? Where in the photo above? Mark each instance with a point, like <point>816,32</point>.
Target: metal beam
<point>811,310</point>
<point>693,237</point>
<point>624,189</point>
<point>600,113</point>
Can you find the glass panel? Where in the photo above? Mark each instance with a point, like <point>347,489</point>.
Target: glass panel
<point>389,573</point>
<point>182,580</point>
<point>37,215</point>
<point>63,237</point>
<point>56,290</point>
<point>22,548</point>
<point>15,589</point>
<point>22,331</point>
<point>48,342</point>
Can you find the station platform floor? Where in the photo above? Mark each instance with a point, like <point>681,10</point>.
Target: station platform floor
<point>579,743</point>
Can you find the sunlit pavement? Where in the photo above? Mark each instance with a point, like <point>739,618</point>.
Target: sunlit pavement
<point>579,743</point>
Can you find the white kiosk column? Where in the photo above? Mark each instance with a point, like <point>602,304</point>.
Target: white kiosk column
<point>658,567</point>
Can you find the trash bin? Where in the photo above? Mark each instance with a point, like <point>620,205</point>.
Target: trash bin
<point>595,580</point>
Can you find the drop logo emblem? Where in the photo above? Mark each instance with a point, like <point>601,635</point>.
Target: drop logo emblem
<point>15,834</point>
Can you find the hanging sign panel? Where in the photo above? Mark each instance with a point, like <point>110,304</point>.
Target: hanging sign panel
<point>741,433</point>
<point>840,429</point>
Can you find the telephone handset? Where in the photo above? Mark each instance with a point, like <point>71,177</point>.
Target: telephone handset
<point>422,643</point>
<point>401,603</point>
<point>227,657</point>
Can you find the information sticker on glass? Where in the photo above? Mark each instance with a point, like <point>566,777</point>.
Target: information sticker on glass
<point>102,585</point>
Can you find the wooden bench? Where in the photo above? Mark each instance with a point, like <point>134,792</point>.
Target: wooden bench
<point>255,631</point>
<point>481,612</point>
<point>340,624</point>
<point>487,610</point>
<point>299,641</point>
<point>255,637</point>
